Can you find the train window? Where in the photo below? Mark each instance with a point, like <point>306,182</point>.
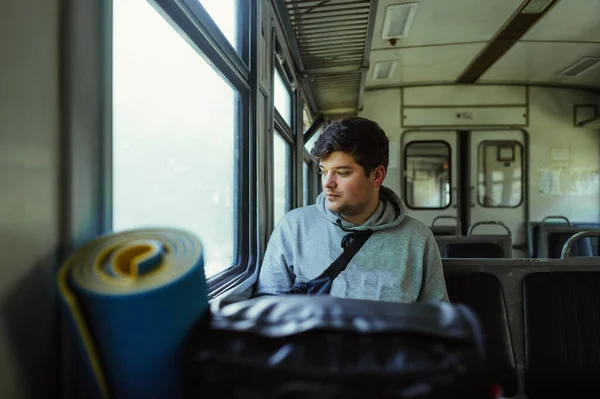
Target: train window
<point>174,135</point>
<point>306,183</point>
<point>306,119</point>
<point>427,175</point>
<point>282,154</point>
<point>500,174</point>
<point>282,98</point>
<point>311,142</point>
<point>224,14</point>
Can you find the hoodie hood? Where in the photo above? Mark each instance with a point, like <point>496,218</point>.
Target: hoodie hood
<point>390,213</point>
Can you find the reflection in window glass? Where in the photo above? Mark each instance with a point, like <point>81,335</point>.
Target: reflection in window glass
<point>281,164</point>
<point>500,174</point>
<point>427,179</point>
<point>311,142</point>
<point>306,119</point>
<point>306,188</point>
<point>282,98</point>
<point>224,13</point>
<point>173,135</point>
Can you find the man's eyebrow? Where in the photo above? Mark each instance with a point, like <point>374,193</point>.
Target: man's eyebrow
<point>339,167</point>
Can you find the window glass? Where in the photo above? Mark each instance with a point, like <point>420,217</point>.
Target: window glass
<point>318,186</point>
<point>282,164</point>
<point>427,175</point>
<point>500,174</point>
<point>306,119</point>
<point>306,182</point>
<point>224,13</point>
<point>311,142</point>
<point>282,98</point>
<point>173,135</point>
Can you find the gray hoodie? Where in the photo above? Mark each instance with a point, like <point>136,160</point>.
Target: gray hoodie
<point>399,262</point>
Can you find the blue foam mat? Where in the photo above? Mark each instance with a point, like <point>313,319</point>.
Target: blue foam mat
<point>131,299</point>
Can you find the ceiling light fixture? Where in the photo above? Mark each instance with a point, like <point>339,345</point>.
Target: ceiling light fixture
<point>398,20</point>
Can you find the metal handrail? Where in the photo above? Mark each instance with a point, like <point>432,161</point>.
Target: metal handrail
<point>566,249</point>
<point>557,217</point>
<point>458,223</point>
<point>497,223</point>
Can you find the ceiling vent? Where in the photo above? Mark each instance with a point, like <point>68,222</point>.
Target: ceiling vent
<point>398,19</point>
<point>384,69</point>
<point>581,66</point>
<point>536,6</point>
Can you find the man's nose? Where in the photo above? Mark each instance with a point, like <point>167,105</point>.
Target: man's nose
<point>329,180</point>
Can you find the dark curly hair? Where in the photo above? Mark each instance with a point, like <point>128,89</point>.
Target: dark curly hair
<point>359,137</point>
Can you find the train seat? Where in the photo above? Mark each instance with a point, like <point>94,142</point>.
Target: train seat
<point>548,239</point>
<point>474,250</point>
<point>562,334</point>
<point>475,246</point>
<point>446,230</point>
<point>482,292</point>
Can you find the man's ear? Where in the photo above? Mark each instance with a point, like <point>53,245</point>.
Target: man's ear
<point>378,176</point>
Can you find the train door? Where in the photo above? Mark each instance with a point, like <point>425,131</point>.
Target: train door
<point>497,184</point>
<point>473,176</point>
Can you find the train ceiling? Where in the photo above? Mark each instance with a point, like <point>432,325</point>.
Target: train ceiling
<point>348,46</point>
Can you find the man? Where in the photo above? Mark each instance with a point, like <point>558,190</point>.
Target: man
<point>399,262</point>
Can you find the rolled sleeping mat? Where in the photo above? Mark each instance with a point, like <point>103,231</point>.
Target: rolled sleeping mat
<point>131,299</point>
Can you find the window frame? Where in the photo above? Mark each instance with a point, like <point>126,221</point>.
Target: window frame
<point>191,17</point>
<point>279,61</point>
<point>242,33</point>
<point>313,181</point>
<point>306,182</point>
<point>285,132</point>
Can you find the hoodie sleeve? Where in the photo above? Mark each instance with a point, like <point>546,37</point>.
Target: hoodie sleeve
<point>276,276</point>
<point>434,284</point>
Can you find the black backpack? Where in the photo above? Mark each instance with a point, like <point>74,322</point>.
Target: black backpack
<point>325,347</point>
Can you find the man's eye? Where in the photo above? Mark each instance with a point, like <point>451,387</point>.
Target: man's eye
<point>343,174</point>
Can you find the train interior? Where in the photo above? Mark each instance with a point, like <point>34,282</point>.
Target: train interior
<point>201,114</point>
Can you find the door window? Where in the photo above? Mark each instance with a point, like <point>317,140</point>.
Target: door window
<point>500,174</point>
<point>427,175</point>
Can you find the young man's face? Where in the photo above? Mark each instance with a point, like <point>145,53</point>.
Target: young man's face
<point>347,190</point>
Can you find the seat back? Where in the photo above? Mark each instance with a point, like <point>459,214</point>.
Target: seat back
<point>553,238</point>
<point>554,322</point>
<point>482,292</point>
<point>556,242</point>
<point>475,246</point>
<point>562,334</point>
<point>445,230</point>
<point>474,250</point>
